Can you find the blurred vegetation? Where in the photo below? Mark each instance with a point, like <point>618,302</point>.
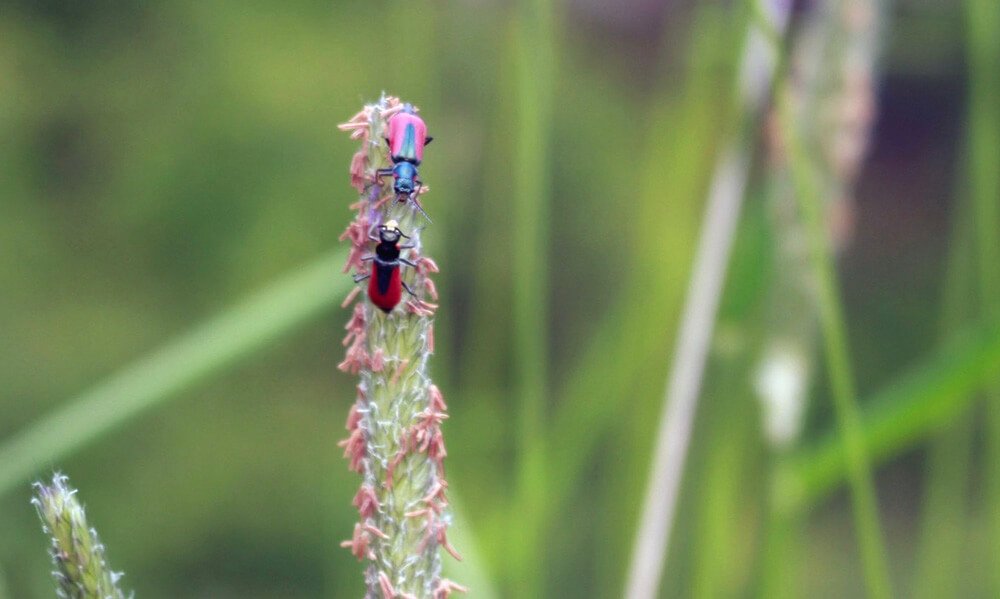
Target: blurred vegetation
<point>163,161</point>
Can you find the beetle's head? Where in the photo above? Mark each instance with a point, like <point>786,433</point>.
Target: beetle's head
<point>389,232</point>
<point>403,187</point>
<point>404,175</point>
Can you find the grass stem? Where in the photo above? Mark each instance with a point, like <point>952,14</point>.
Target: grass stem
<point>949,460</point>
<point>535,68</point>
<point>725,198</point>
<point>983,46</point>
<point>836,353</point>
<point>940,388</point>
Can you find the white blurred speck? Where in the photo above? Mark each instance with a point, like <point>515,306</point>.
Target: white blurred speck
<point>780,382</point>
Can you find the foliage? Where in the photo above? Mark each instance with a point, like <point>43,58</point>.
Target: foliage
<point>163,161</point>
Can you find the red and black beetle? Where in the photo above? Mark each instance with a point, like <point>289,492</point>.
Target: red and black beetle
<point>385,285</point>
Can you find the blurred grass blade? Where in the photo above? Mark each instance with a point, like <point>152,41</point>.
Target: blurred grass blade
<point>534,57</point>
<point>727,436</point>
<point>831,71</point>
<point>210,348</point>
<point>677,420</point>
<point>917,404</point>
<point>836,352</point>
<point>722,212</point>
<point>472,569</point>
<point>945,507</point>
<point>945,510</point>
<point>592,397</point>
<point>982,18</point>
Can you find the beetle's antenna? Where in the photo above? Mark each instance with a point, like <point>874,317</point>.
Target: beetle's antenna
<point>416,204</point>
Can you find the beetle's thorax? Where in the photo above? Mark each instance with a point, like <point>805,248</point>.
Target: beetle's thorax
<point>387,251</point>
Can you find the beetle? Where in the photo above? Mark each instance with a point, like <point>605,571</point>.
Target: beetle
<point>406,138</point>
<point>385,285</point>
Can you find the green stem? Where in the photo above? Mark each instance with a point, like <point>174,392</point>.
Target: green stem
<point>784,531</point>
<point>949,460</point>
<point>722,212</point>
<point>921,402</point>
<point>728,425</point>
<point>983,22</point>
<point>944,512</point>
<point>838,362</point>
<point>662,215</point>
<point>579,425</point>
<point>535,73</point>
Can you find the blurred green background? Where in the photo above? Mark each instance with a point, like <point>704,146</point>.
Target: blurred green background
<point>160,161</point>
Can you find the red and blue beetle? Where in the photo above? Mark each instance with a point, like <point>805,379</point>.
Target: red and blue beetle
<point>385,284</point>
<point>406,137</point>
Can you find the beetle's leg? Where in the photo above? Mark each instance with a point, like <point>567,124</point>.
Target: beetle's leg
<point>359,278</point>
<point>376,180</point>
<point>408,290</point>
<point>416,204</point>
<point>408,246</point>
<point>382,201</point>
<point>367,258</point>
<point>407,262</point>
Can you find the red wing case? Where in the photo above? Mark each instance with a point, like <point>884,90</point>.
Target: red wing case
<point>385,287</point>
<point>407,138</point>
